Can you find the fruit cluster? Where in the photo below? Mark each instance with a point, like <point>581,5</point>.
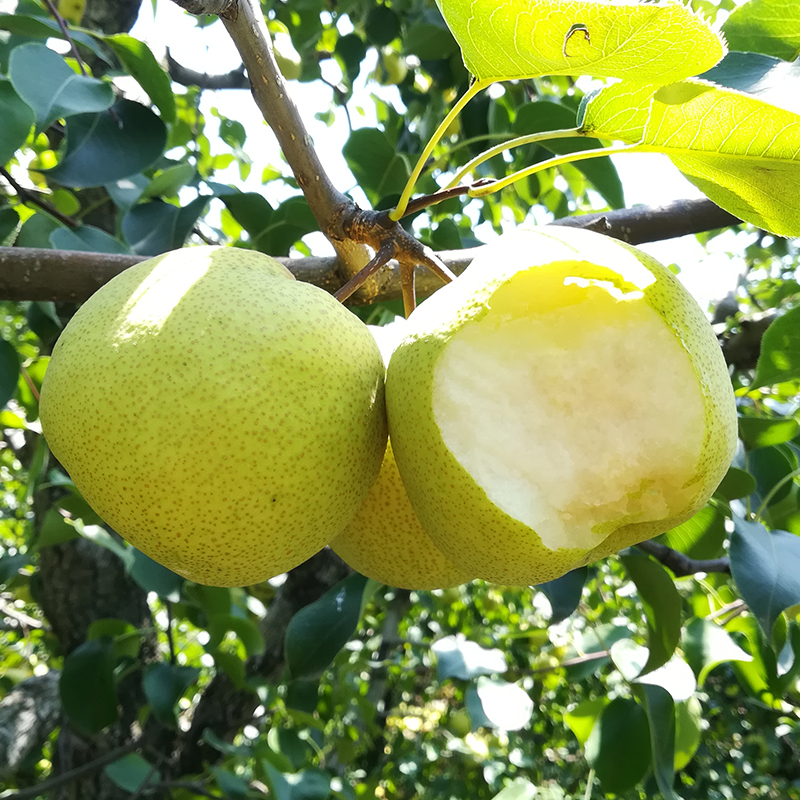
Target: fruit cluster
<point>563,399</point>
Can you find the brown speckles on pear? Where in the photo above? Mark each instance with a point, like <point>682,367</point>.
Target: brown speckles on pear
<point>195,388</point>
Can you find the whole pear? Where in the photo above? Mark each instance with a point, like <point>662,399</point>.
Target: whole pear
<point>224,418</point>
<point>562,399</point>
<point>385,541</point>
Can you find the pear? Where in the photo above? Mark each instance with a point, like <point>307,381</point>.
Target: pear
<point>561,400</point>
<point>385,541</point>
<point>224,418</point>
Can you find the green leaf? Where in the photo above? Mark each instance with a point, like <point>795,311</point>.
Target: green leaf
<point>543,116</point>
<point>758,432</point>
<point>743,153</point>
<point>766,568</point>
<point>457,657</point>
<point>9,218</point>
<point>662,607</point>
<point>688,731</point>
<point>18,118</point>
<point>126,639</point>
<point>528,38</point>
<point>779,360</point>
<point>131,772</point>
<point>290,221</point>
<point>765,26</point>
<point>618,748</point>
<point>564,593</point>
<point>629,658</point>
<point>318,632</point>
<point>86,238</point>
<point>250,210</point>
<point>141,64</point>
<point>703,535</point>
<point>310,784</point>
<point>736,483</point>
<point>113,144</point>
<point>374,161</point>
<point>126,191</point>
<point>164,684</point>
<point>55,530</point>
<point>771,467</point>
<point>382,25</point>
<point>498,704</point>
<point>430,41</point>
<point>168,181</point>
<point>768,79</point>
<point>52,88</point>
<point>231,785</point>
<point>675,677</point>
<point>518,789</point>
<point>594,640</point>
<point>232,666</point>
<point>9,371</point>
<point>706,645</point>
<point>582,718</point>
<point>660,709</point>
<point>158,227</point>
<point>39,27</point>
<point>87,687</point>
<point>247,631</point>
<point>153,577</point>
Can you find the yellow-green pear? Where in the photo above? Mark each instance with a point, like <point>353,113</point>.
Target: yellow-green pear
<point>564,398</point>
<point>384,540</point>
<point>223,417</point>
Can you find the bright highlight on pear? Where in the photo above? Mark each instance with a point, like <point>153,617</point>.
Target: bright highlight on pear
<point>563,399</point>
<point>224,418</point>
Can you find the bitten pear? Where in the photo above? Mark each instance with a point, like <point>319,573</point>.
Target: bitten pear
<point>224,418</point>
<point>561,400</point>
<point>385,541</point>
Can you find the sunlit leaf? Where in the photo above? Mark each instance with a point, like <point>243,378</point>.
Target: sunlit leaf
<point>618,747</point>
<point>518,789</point>
<point>457,657</point>
<point>502,705</point>
<point>688,719</point>
<point>758,432</point>
<point>662,607</point>
<point>660,709</point>
<point>768,79</point>
<point>765,26</point>
<point>743,153</point>
<point>516,39</point>
<point>702,536</point>
<point>707,645</point>
<point>582,718</point>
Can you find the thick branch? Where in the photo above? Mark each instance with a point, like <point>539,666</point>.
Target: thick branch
<point>680,564</point>
<point>64,276</point>
<point>28,713</point>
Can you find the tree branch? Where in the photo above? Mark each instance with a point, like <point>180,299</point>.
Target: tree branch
<point>27,715</point>
<point>72,775</point>
<point>27,196</point>
<point>680,564</point>
<point>235,79</point>
<point>66,276</point>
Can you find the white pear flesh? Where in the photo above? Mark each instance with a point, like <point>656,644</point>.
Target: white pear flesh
<point>564,398</point>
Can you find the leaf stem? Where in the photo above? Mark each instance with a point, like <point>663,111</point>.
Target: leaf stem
<point>531,138</point>
<point>400,210</point>
<point>496,186</point>
<point>774,490</point>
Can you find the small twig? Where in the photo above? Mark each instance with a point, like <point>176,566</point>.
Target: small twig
<point>63,25</point>
<point>71,775</point>
<point>443,194</point>
<point>383,256</point>
<point>721,612</point>
<point>680,564</point>
<point>235,79</point>
<point>170,639</point>
<point>31,384</point>
<point>28,196</point>
<point>200,235</point>
<point>21,617</point>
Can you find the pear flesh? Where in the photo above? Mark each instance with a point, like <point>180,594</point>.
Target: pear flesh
<point>564,398</point>
<point>224,418</point>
